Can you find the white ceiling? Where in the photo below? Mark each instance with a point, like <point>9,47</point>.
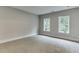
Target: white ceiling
<point>39,10</point>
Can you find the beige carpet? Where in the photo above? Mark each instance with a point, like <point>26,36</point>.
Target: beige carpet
<point>39,44</point>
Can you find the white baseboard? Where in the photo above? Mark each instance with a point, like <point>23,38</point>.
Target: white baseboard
<point>8,40</point>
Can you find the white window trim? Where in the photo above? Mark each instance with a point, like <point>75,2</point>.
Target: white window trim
<point>43,24</point>
<point>59,25</point>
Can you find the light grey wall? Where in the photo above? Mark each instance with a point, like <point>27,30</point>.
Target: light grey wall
<point>74,24</point>
<point>16,23</point>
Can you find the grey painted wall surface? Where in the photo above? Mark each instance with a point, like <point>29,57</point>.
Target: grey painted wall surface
<point>74,24</point>
<point>15,23</point>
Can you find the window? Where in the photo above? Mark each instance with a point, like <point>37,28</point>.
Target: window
<point>64,24</point>
<point>46,24</point>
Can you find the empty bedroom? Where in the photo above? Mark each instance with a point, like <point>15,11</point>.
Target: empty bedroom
<point>39,29</point>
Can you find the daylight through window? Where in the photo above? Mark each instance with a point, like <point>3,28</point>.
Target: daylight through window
<point>64,24</point>
<point>46,24</point>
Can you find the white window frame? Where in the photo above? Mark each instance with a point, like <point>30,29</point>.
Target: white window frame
<point>59,27</point>
<point>44,28</point>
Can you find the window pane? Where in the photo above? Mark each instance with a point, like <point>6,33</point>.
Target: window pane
<point>64,24</point>
<point>46,24</point>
